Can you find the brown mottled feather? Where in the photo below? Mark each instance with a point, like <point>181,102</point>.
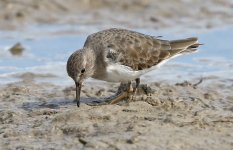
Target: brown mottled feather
<point>136,50</point>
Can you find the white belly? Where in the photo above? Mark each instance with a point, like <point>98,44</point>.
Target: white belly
<point>121,73</point>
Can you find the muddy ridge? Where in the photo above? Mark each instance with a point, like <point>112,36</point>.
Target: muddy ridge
<point>154,14</point>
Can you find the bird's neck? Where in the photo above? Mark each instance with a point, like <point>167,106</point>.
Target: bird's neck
<point>97,61</point>
<point>90,61</point>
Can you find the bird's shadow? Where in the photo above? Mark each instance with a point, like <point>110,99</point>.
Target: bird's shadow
<point>62,102</point>
<point>92,101</point>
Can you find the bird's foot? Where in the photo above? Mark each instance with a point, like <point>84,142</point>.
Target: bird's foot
<point>125,94</point>
<point>131,94</point>
<point>119,98</point>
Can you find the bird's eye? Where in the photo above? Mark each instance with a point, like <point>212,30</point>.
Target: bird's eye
<point>83,70</point>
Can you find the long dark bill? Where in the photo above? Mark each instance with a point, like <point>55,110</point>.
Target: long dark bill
<point>78,91</point>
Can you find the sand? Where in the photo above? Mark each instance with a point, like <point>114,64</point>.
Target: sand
<point>193,114</point>
<point>174,116</point>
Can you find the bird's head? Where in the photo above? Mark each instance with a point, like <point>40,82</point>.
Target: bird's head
<point>80,66</point>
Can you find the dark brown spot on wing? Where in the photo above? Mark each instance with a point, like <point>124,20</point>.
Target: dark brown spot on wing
<point>164,54</point>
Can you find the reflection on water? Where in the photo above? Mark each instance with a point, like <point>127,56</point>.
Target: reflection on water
<point>49,55</point>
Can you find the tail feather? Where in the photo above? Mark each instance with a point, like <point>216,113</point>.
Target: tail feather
<point>189,50</point>
<point>183,46</point>
<point>195,45</point>
<point>184,43</point>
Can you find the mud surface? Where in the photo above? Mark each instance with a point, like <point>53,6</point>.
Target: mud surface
<point>102,14</point>
<point>187,115</point>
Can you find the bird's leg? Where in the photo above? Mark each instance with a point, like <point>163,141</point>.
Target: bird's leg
<point>124,94</point>
<point>135,90</point>
<point>137,85</point>
<point>130,88</point>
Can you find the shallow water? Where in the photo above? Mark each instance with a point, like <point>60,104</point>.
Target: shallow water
<point>47,54</point>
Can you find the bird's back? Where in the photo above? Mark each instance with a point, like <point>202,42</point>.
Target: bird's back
<point>136,50</point>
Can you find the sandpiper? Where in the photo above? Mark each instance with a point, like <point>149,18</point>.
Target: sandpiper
<point>120,55</point>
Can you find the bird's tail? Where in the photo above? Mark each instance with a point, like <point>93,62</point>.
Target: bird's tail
<point>188,45</point>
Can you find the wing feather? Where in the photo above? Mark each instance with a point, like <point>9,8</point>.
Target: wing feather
<point>135,50</point>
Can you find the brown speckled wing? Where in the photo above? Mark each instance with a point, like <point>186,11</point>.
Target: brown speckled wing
<point>133,49</point>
